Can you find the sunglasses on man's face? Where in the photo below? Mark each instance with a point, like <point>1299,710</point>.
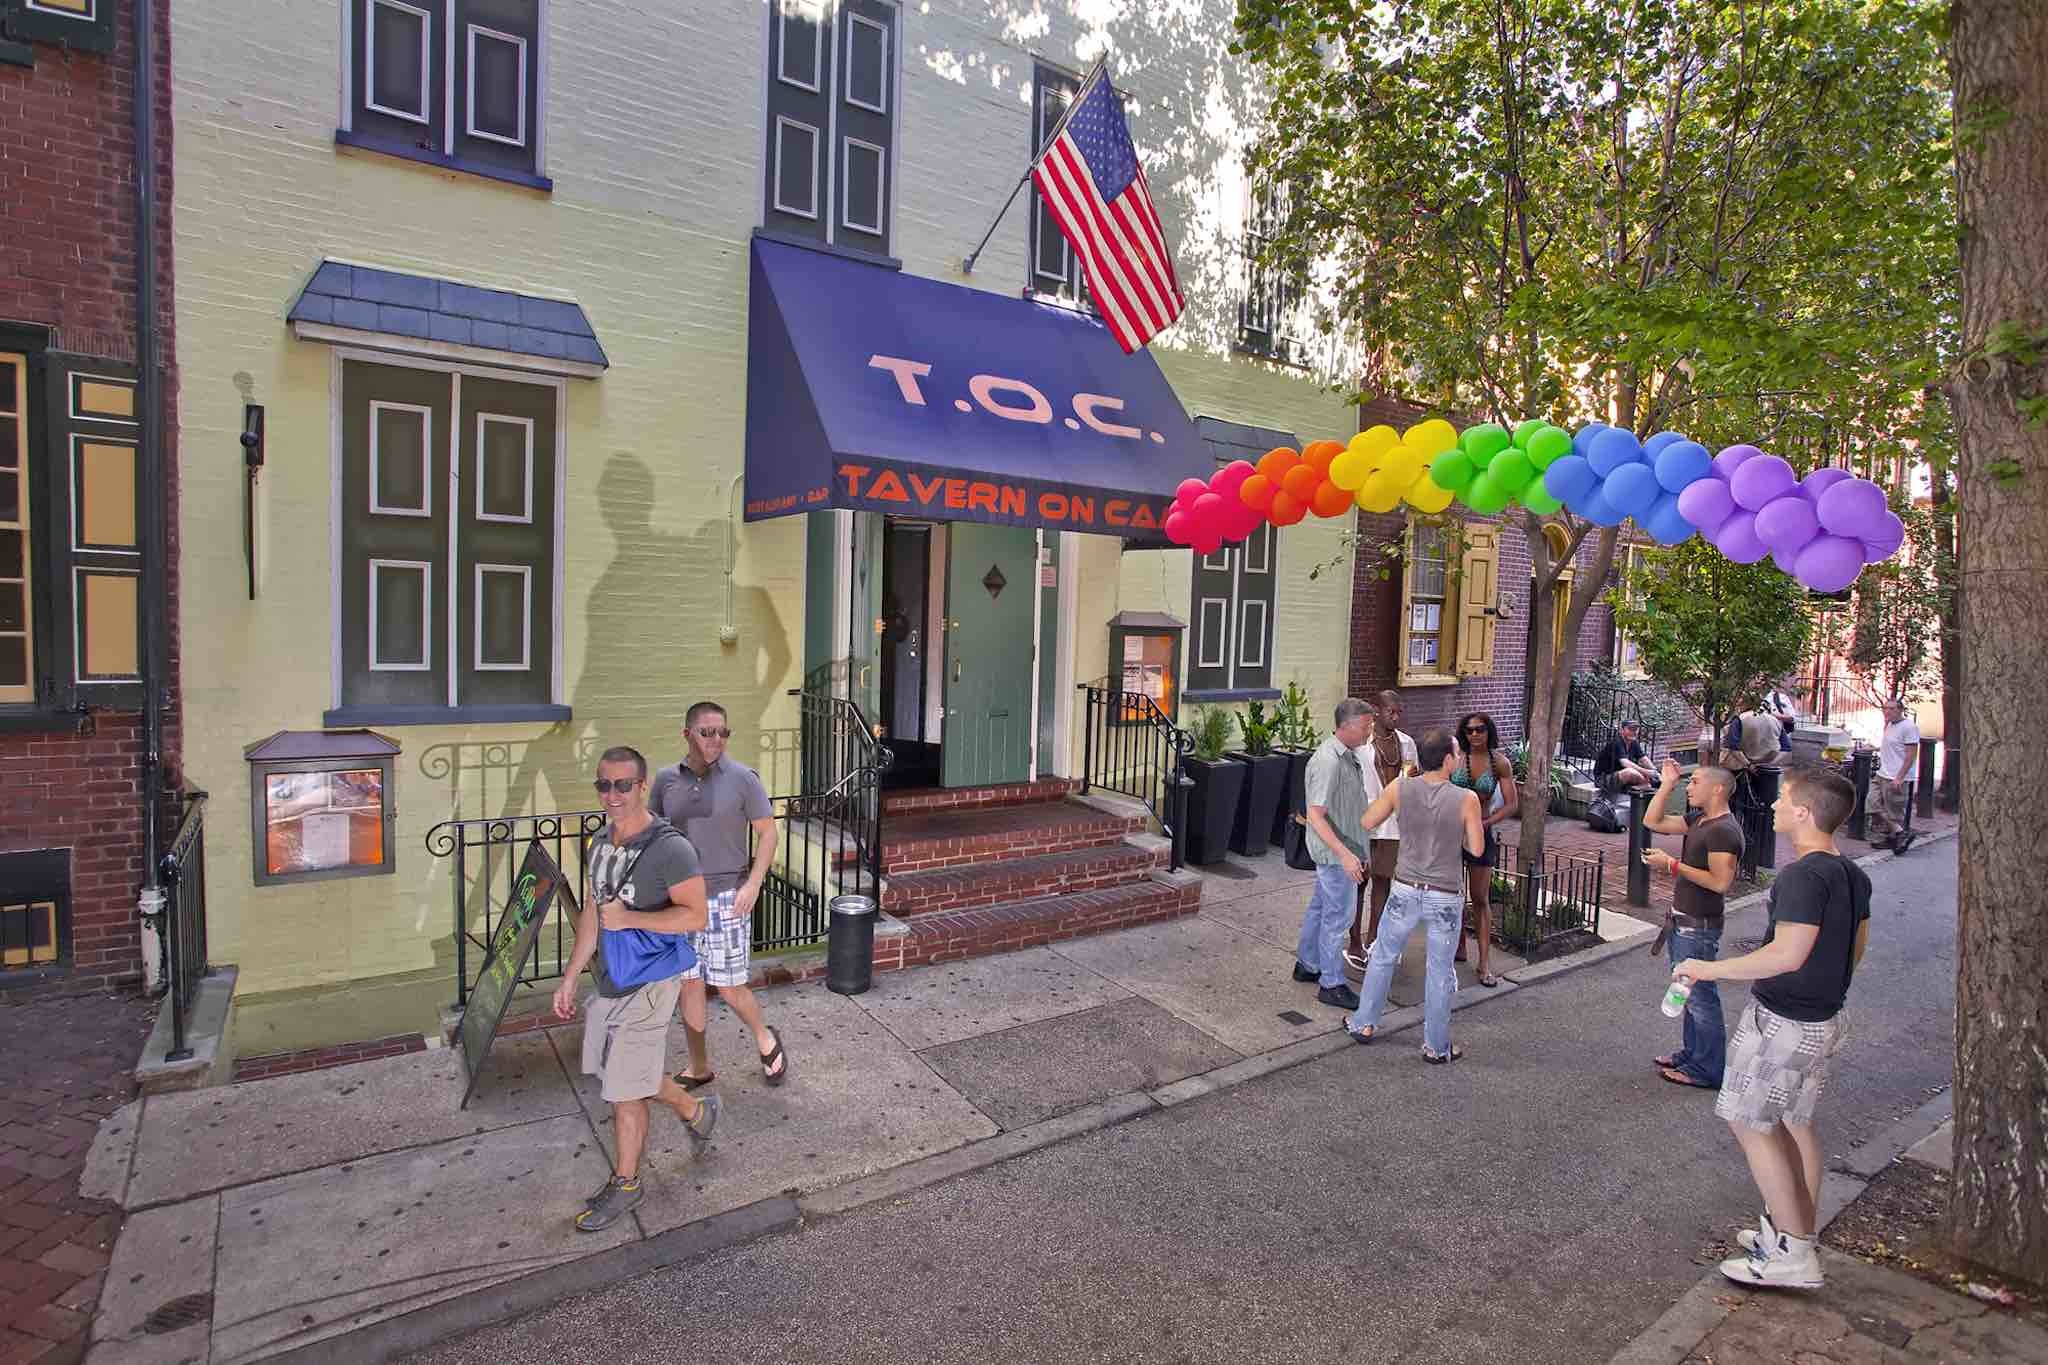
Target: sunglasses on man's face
<point>708,732</point>
<point>621,785</point>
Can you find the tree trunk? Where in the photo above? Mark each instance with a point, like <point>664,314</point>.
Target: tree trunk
<point>1551,684</point>
<point>1951,639</point>
<point>1999,60</point>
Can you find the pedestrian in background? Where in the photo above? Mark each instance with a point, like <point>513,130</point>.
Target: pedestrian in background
<point>1779,1059</point>
<point>1487,773</point>
<point>1387,757</point>
<point>1623,764</point>
<point>1704,870</point>
<point>1898,763</point>
<point>1335,789</point>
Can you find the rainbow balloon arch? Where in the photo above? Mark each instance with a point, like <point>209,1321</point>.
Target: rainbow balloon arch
<point>1822,529</point>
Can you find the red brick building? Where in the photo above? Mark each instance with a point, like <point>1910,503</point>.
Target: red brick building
<point>1451,638</point>
<point>86,604</point>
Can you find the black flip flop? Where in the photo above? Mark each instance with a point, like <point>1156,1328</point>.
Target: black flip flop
<point>1453,1055</point>
<point>689,1082</point>
<point>769,1057</point>
<point>1487,979</point>
<point>1362,1039</point>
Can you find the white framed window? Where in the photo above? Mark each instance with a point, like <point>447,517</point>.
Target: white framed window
<point>1055,269</point>
<point>398,61</point>
<point>1212,622</point>
<point>1219,559</point>
<point>504,468</point>
<point>796,167</point>
<point>863,173</point>
<point>867,64</point>
<point>800,41</point>
<point>1232,591</point>
<point>503,611</point>
<point>455,83</point>
<point>401,616</point>
<point>1258,550</point>
<point>401,435</point>
<point>1251,633</point>
<point>70,9</point>
<point>497,84</point>
<point>829,162</point>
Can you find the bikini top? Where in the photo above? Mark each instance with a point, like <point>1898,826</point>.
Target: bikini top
<point>1485,783</point>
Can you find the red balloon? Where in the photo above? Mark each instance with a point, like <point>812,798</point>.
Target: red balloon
<point>1286,509</point>
<point>1176,527</point>
<point>1331,501</point>
<point>1208,513</point>
<point>1207,544</point>
<point>1231,477</point>
<point>1241,521</point>
<point>1300,483</point>
<point>1189,490</point>
<point>1256,493</point>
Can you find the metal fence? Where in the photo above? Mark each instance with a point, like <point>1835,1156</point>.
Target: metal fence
<point>1593,715</point>
<point>1538,907</point>
<point>182,933</point>
<point>1133,748</point>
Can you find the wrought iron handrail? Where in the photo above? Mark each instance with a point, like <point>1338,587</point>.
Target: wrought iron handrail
<point>1839,693</point>
<point>1130,746</point>
<point>1593,715</point>
<point>182,933</point>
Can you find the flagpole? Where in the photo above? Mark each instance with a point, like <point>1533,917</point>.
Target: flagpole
<point>967,264</point>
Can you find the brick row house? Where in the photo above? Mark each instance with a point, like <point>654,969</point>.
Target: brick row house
<point>86,443</point>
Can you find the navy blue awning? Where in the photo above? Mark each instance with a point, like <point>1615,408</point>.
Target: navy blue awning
<point>870,388</point>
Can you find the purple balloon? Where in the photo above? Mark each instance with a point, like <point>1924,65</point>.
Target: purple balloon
<point>1612,449</point>
<point>1656,444</point>
<point>1707,503</point>
<point>1665,523</point>
<point>1787,564</point>
<point>1731,459</point>
<point>1787,523</point>
<point>1822,479</point>
<point>1582,439</point>
<point>1830,563</point>
<point>1682,463</point>
<point>1632,489</point>
<point>1760,479</point>
<point>1854,508</point>
<point>1569,478</point>
<point>1595,507</point>
<point>1738,539</point>
<point>1892,534</point>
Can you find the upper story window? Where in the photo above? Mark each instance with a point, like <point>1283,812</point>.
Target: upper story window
<point>1055,269</point>
<point>1269,310</point>
<point>84,25</point>
<point>452,82</point>
<point>1450,604</point>
<point>831,154</point>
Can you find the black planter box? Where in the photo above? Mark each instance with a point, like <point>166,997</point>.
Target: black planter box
<point>1294,796</point>
<point>1212,806</point>
<point>1252,828</point>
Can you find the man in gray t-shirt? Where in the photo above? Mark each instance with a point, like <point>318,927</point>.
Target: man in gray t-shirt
<point>721,805</point>
<point>644,876</point>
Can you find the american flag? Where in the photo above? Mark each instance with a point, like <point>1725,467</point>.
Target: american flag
<point>1096,192</point>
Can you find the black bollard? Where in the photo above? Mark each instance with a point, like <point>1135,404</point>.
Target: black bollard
<point>1638,843</point>
<point>1859,777</point>
<point>1924,789</point>
<point>850,950</point>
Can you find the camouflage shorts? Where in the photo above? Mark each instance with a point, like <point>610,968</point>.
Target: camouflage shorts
<point>1777,1068</point>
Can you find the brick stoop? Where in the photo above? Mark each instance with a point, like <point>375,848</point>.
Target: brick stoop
<point>948,935</point>
<point>950,838</point>
<point>320,1058</point>
<point>1044,874</point>
<point>958,798</point>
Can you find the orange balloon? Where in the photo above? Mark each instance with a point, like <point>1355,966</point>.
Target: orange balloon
<point>1300,484</point>
<point>1275,463</point>
<point>1330,500</point>
<point>1286,509</point>
<point>1256,492</point>
<point>1318,454</point>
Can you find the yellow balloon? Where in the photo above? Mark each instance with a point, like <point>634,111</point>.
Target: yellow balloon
<point>1379,493</point>
<point>1424,496</point>
<point>1349,470</point>
<point>1432,437</point>
<point>1375,441</point>
<point>1404,462</point>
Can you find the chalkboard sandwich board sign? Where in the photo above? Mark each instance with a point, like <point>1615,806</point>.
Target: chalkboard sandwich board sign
<point>539,882</point>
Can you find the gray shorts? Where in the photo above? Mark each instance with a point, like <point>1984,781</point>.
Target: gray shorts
<point>625,1039</point>
<point>1777,1068</point>
<point>725,946</point>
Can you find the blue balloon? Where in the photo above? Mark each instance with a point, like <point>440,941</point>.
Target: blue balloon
<point>1582,439</point>
<point>1664,523</point>
<point>1612,449</point>
<point>1632,490</point>
<point>1595,507</point>
<point>1657,443</point>
<point>1569,479</point>
<point>1681,463</point>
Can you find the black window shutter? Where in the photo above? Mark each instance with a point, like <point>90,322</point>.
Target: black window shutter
<point>91,478</point>
<point>801,50</point>
<point>500,97</point>
<point>87,25</point>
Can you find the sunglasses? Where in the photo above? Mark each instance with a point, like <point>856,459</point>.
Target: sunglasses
<point>621,786</point>
<point>1475,729</point>
<point>708,733</point>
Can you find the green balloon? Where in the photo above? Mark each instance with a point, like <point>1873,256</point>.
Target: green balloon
<point>1527,429</point>
<point>1547,444</point>
<point>1485,495</point>
<point>1484,441</point>
<point>1536,497</point>
<point>1452,469</point>
<point>1511,468</point>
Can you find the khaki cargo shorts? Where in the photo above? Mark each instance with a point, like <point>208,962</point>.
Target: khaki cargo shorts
<point>625,1039</point>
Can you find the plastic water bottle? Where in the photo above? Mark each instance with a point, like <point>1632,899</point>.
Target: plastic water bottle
<point>1675,998</point>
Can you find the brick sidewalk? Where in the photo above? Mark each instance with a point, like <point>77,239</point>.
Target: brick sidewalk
<point>69,1064</point>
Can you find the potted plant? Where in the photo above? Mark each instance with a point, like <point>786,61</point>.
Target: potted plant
<point>1294,735</point>
<point>1265,784</point>
<point>1212,804</point>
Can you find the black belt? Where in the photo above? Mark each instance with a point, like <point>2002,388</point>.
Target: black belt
<point>1431,886</point>
<point>1674,920</point>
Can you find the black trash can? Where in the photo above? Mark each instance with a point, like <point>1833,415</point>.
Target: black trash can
<point>850,950</point>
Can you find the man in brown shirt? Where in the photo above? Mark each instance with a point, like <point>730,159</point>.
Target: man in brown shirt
<point>1704,870</point>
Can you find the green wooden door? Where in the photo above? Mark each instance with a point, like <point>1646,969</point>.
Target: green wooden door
<point>991,576</point>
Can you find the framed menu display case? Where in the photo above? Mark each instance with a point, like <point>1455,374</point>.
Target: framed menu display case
<point>322,805</point>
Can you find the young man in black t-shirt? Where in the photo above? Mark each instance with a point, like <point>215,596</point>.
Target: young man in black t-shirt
<point>1778,1060</point>
<point>1704,870</point>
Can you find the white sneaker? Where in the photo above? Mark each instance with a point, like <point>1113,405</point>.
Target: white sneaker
<point>1748,1238</point>
<point>1778,1268</point>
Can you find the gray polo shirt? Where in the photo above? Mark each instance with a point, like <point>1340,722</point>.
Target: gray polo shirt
<point>1336,782</point>
<point>714,811</point>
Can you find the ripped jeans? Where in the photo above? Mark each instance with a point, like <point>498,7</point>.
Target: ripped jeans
<point>1442,913</point>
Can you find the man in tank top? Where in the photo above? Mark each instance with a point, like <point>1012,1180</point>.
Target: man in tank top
<point>1439,821</point>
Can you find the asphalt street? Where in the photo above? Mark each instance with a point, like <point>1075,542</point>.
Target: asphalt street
<point>1542,1200</point>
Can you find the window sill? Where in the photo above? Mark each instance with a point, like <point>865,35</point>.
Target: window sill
<point>345,138</point>
<point>1428,680</point>
<point>1220,694</point>
<point>851,253</point>
<point>344,716</point>
<point>32,720</point>
<point>1268,355</point>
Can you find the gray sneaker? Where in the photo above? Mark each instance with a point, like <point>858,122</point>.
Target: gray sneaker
<point>618,1198</point>
<point>1763,1234</point>
<point>709,1107</point>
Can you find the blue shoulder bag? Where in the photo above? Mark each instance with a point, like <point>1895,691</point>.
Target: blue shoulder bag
<point>634,957</point>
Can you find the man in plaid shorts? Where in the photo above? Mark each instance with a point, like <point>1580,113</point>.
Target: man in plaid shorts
<point>1778,1059</point>
<point>719,802</point>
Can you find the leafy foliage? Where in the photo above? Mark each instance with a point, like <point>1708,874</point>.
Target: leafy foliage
<point>1211,732</point>
<point>1293,728</point>
<point>1256,729</point>
<point>1898,613</point>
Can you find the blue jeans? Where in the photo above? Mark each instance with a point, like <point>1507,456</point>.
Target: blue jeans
<point>1703,1049</point>
<point>1443,914</point>
<point>1327,922</point>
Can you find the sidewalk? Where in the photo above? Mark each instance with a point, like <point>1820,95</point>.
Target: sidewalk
<point>269,1217</point>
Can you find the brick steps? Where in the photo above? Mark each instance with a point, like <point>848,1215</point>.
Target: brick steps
<point>974,798</point>
<point>1009,879</point>
<point>923,840</point>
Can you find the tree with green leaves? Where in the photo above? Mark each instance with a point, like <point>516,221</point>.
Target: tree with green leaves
<point>1898,617</point>
<point>1661,214</point>
<point>1717,633</point>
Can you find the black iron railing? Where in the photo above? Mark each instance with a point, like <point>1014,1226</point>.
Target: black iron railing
<point>1751,806</point>
<point>484,857</point>
<point>1539,906</point>
<point>1132,747</point>
<point>182,934</point>
<point>1594,713</point>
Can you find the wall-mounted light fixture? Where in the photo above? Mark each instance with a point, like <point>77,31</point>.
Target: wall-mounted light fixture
<point>252,465</point>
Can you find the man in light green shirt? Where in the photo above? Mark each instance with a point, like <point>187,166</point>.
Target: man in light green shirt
<point>1335,788</point>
